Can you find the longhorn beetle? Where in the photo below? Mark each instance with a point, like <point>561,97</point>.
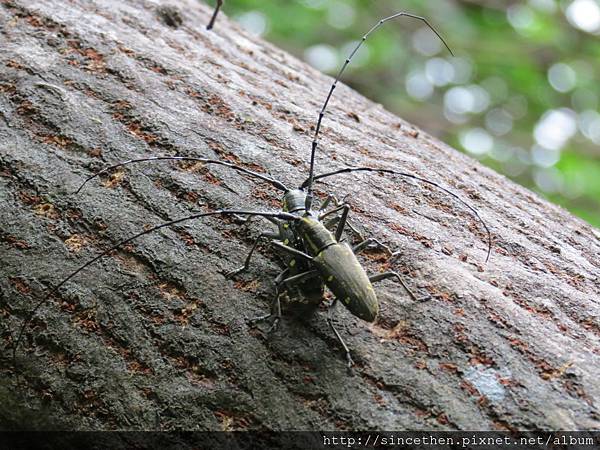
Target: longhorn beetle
<point>314,253</point>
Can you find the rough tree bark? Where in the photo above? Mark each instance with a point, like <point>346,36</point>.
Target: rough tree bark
<point>155,337</point>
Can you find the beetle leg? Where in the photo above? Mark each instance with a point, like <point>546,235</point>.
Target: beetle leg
<point>332,199</point>
<point>355,231</point>
<point>335,220</point>
<point>331,222</point>
<point>333,211</point>
<point>337,334</point>
<point>234,272</point>
<point>276,305</point>
<point>280,235</point>
<point>364,244</point>
<point>275,314</point>
<point>383,276</point>
<point>292,251</point>
<point>214,16</point>
<point>327,201</point>
<point>275,309</point>
<point>342,221</point>
<point>300,277</point>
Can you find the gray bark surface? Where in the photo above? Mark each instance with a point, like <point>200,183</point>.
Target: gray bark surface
<point>155,337</point>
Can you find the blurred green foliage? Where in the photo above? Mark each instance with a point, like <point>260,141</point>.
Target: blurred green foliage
<point>521,94</point>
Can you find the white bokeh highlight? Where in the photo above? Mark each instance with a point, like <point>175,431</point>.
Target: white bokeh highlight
<point>585,15</point>
<point>555,128</point>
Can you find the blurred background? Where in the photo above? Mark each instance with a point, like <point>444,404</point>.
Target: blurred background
<point>522,93</point>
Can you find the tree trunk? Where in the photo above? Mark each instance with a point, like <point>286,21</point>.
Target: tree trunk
<point>155,337</point>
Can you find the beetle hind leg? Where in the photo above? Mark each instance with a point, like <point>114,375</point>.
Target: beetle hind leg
<point>375,243</point>
<point>383,276</point>
<point>349,360</point>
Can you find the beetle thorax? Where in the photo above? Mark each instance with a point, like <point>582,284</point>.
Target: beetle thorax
<point>294,200</point>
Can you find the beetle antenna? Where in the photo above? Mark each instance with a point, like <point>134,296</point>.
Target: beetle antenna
<point>222,212</point>
<point>334,85</point>
<point>215,14</point>
<point>414,177</point>
<point>273,181</point>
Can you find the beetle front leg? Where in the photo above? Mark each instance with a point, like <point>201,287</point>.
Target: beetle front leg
<point>349,360</point>
<point>327,201</point>
<point>332,199</point>
<point>342,221</point>
<point>386,275</point>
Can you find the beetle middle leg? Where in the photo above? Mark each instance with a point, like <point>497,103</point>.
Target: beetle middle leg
<point>364,244</point>
<point>246,266</point>
<point>343,221</point>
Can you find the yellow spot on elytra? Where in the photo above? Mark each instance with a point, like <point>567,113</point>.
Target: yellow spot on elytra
<point>286,225</point>
<point>347,300</point>
<point>330,278</point>
<point>286,242</point>
<point>292,263</point>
